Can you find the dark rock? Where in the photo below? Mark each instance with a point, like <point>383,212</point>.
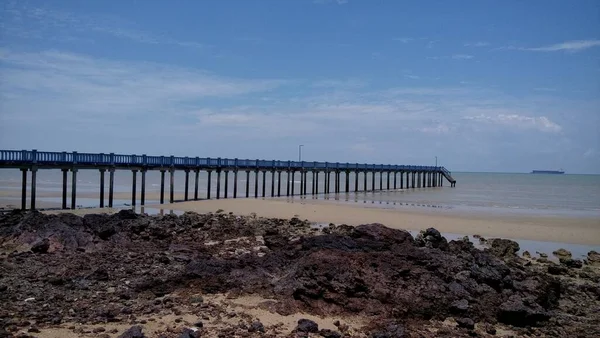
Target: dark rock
<point>390,331</point>
<point>562,253</point>
<point>256,327</point>
<point>503,248</point>
<point>467,323</point>
<point>189,333</point>
<point>133,332</point>
<point>431,238</point>
<point>555,269</point>
<point>526,254</point>
<point>199,324</point>
<point>41,246</point>
<point>572,263</point>
<point>98,330</point>
<point>33,329</point>
<point>460,305</point>
<point>330,333</point>
<point>307,325</point>
<point>3,287</point>
<point>379,232</point>
<point>593,258</point>
<point>127,214</point>
<point>515,312</point>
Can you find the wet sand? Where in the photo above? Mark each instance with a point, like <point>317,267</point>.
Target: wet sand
<point>549,229</point>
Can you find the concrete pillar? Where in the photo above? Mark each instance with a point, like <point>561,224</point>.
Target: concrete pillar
<point>288,183</point>
<point>196,182</point>
<point>395,179</point>
<point>143,200</point>
<point>419,179</point>
<point>133,187</point>
<point>218,183</point>
<point>247,183</point>
<point>33,186</point>
<point>162,186</point>
<point>401,180</point>
<point>187,184</point>
<point>388,180</point>
<point>305,181</point>
<point>111,186</point>
<point>301,182</point>
<point>441,180</point>
<point>73,188</point>
<point>235,183</point>
<point>64,188</point>
<point>24,189</point>
<point>373,180</point>
<point>327,178</point>
<point>413,179</point>
<point>381,180</point>
<point>256,183</point>
<point>264,182</point>
<point>293,185</point>
<point>279,183</point>
<point>226,184</point>
<point>337,181</point>
<point>365,181</point>
<point>172,186</point>
<point>102,187</point>
<point>347,181</point>
<point>316,179</point>
<point>208,184</point>
<point>272,183</point>
<point>355,181</point>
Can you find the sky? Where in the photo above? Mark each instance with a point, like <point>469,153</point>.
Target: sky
<point>502,86</point>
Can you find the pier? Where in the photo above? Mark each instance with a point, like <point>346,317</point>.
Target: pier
<point>219,169</point>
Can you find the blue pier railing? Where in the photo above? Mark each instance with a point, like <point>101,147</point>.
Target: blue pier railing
<point>44,158</point>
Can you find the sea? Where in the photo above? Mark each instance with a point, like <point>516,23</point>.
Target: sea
<point>498,193</point>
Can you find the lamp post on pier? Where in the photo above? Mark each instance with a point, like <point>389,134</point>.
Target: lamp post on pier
<point>436,161</point>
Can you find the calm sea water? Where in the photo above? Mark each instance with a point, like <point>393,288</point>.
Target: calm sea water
<point>569,195</point>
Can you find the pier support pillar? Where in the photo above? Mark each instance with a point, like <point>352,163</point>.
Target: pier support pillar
<point>264,182</point>
<point>373,181</point>
<point>292,182</point>
<point>24,189</point>
<point>337,181</point>
<point>355,181</point>
<point>327,179</point>
<point>235,183</point>
<point>278,183</point>
<point>388,180</point>
<point>272,183</point>
<point>102,187</point>
<point>226,188</point>
<point>143,197</point>
<point>401,180</point>
<point>187,184</point>
<point>441,180</point>
<point>305,182</point>
<point>33,186</point>
<point>162,187</point>
<point>133,187</point>
<point>395,179</point>
<point>316,179</point>
<point>302,182</point>
<point>111,186</point>
<point>365,181</point>
<point>208,184</point>
<point>381,180</point>
<point>196,182</point>
<point>347,181</point>
<point>413,179</point>
<point>73,188</point>
<point>218,195</point>
<point>256,183</point>
<point>64,188</point>
<point>247,183</point>
<point>172,186</point>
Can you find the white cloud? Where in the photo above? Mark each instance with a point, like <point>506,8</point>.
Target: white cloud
<point>568,46</point>
<point>454,57</point>
<point>590,153</point>
<point>477,44</point>
<point>437,129</point>
<point>35,22</point>
<point>339,2</point>
<point>541,123</point>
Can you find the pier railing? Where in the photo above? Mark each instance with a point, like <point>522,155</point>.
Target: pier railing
<point>75,159</point>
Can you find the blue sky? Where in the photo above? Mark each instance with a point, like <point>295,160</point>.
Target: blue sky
<point>483,85</point>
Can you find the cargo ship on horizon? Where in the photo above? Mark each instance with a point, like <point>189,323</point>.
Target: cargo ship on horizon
<point>548,172</point>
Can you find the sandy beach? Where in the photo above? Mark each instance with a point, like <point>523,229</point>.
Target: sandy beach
<point>552,229</point>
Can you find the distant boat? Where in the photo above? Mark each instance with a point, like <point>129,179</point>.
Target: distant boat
<point>548,172</point>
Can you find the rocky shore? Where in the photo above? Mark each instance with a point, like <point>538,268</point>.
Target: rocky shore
<point>221,275</point>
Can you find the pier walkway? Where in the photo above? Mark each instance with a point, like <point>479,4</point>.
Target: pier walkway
<point>408,176</point>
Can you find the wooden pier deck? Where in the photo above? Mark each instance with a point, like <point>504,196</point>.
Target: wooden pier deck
<point>30,161</point>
